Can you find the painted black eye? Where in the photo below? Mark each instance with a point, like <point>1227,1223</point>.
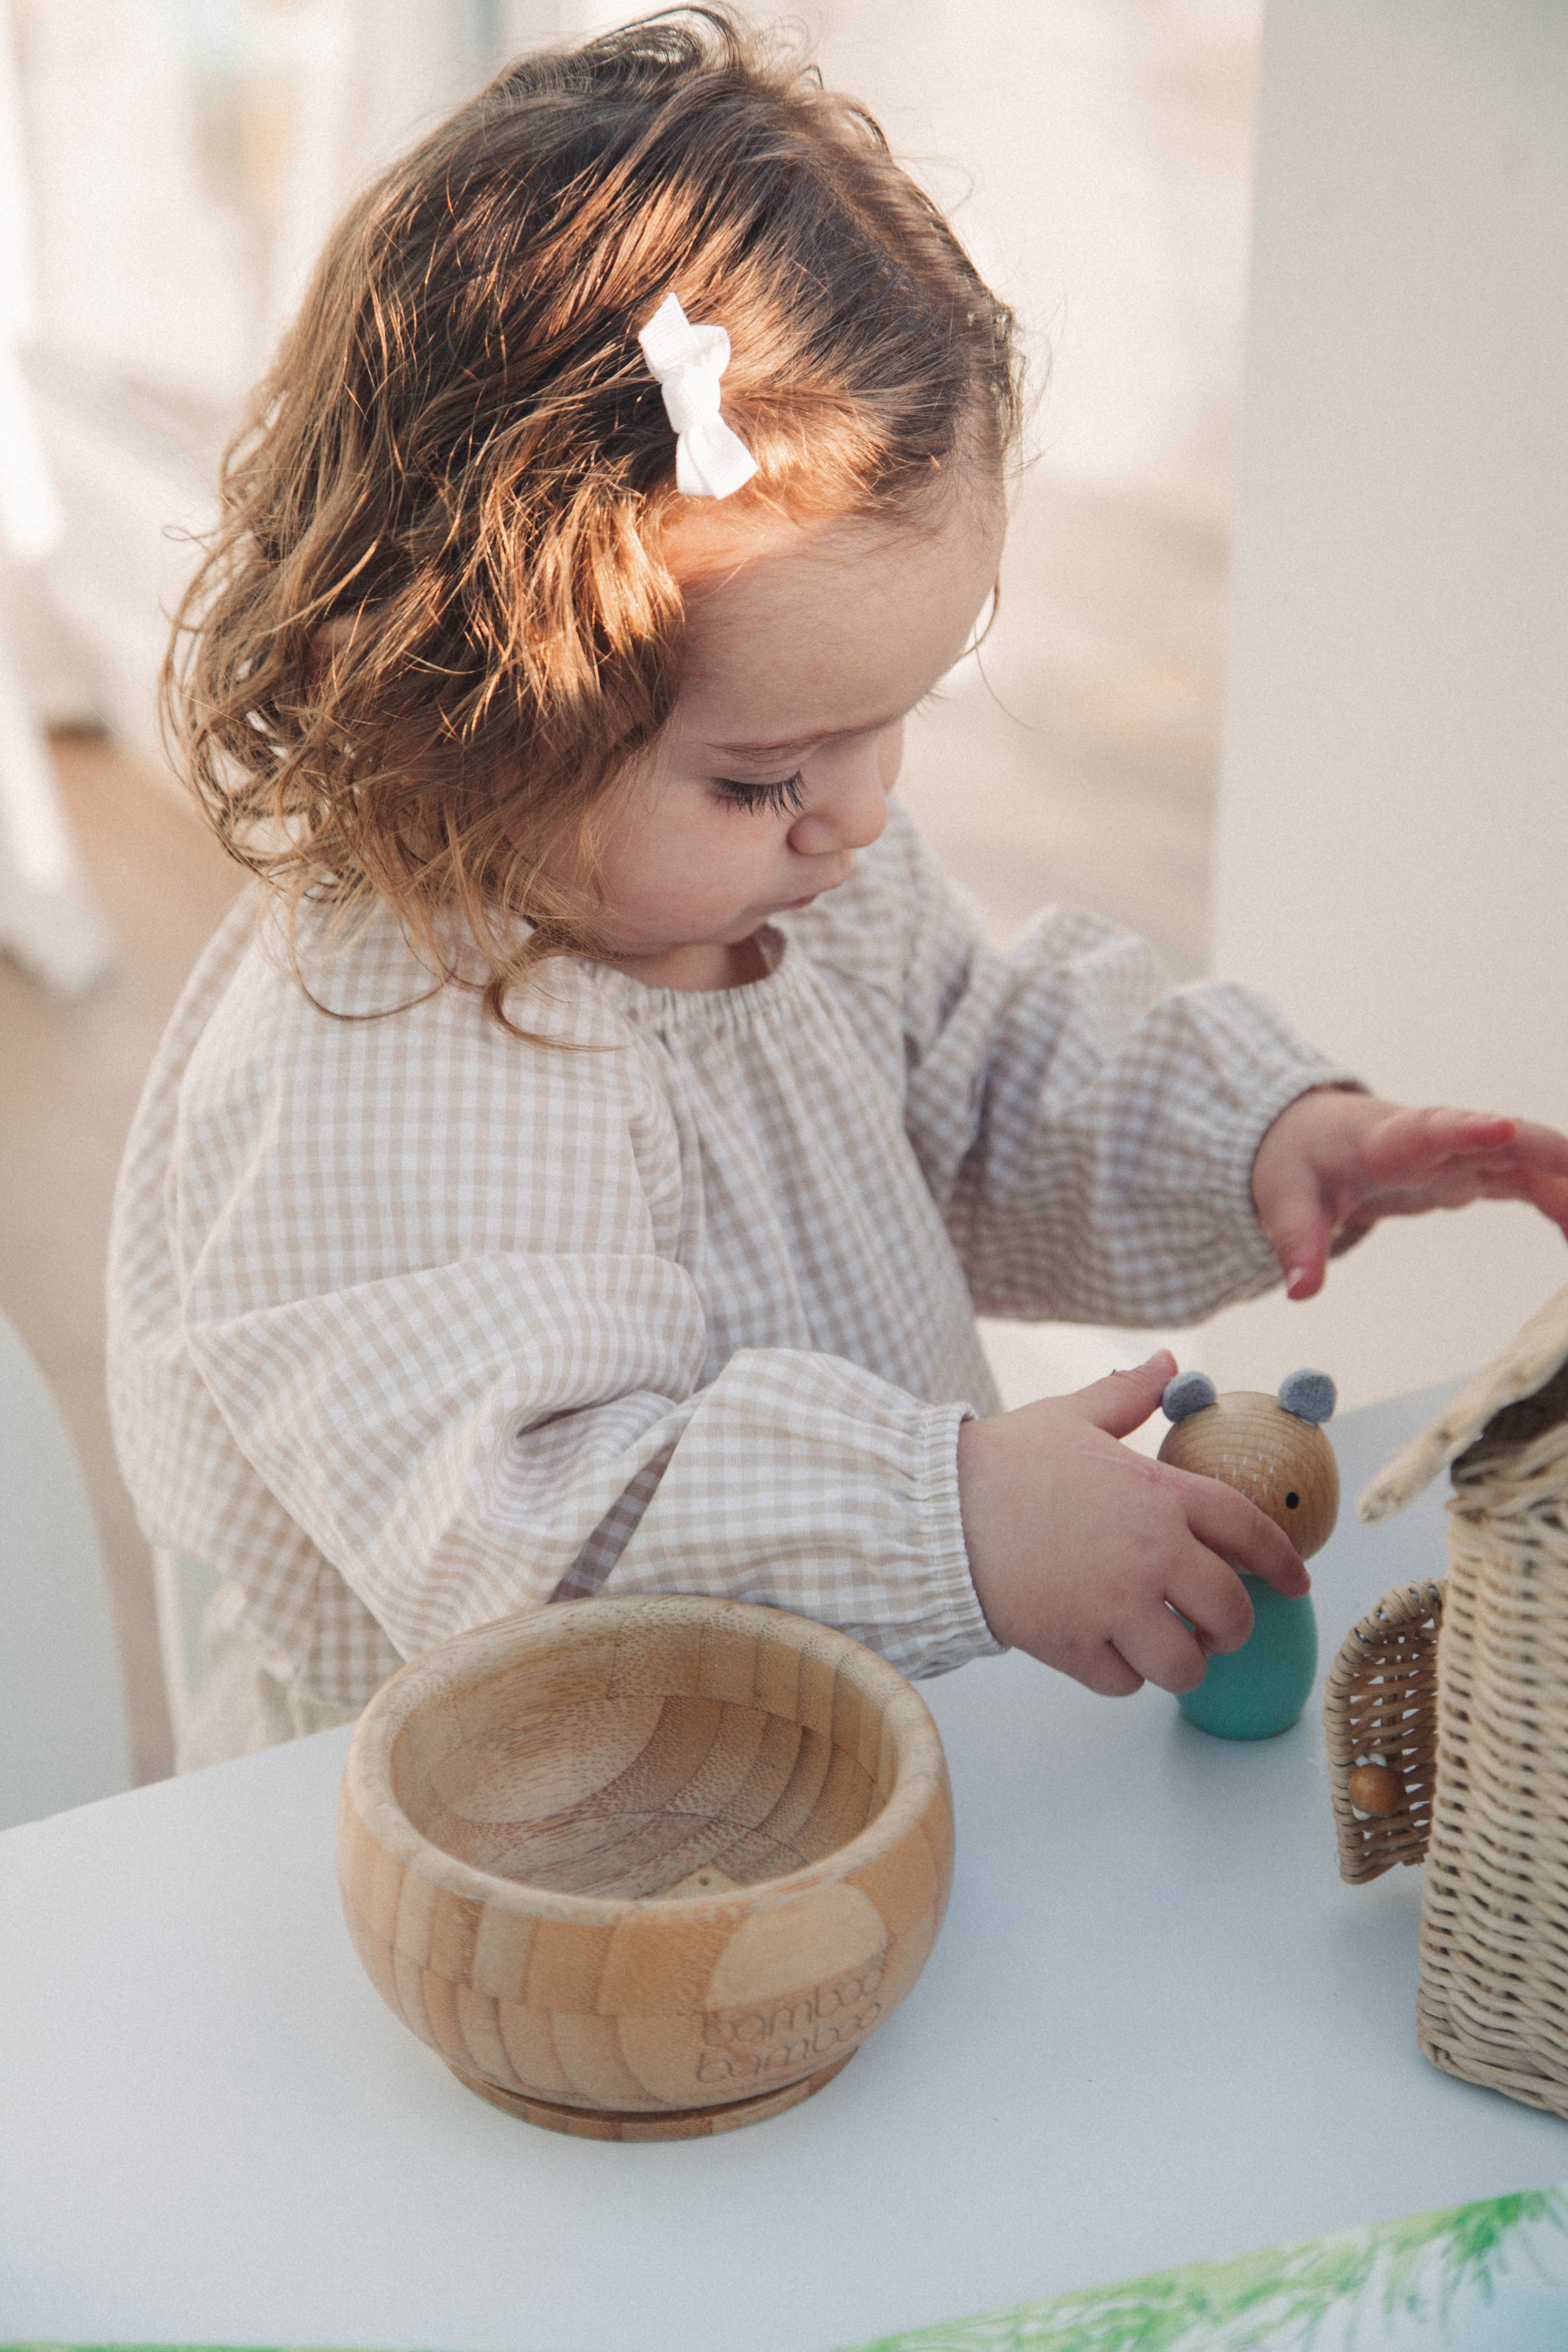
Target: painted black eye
<point>1291,1501</point>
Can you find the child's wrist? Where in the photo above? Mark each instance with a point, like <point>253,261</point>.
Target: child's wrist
<point>978,1510</point>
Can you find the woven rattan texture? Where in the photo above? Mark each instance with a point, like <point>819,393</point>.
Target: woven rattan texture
<point>1493,2002</point>
<point>1380,1708</point>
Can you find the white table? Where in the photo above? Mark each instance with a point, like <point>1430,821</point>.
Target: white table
<point>1157,2028</point>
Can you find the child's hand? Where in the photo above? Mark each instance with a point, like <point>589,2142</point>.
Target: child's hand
<point>1081,1552</point>
<point>1333,1163</point>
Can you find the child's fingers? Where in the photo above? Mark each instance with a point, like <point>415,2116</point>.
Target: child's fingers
<point>1290,1209</point>
<point>1212,1598</point>
<point>1303,1260</point>
<point>1122,1401</point>
<point>1104,1671</point>
<point>1549,1195</point>
<point>1456,1183</point>
<point>1226,1522</point>
<point>1538,1181</point>
<point>1542,1148</point>
<point>1462,1181</point>
<point>1163,1651</point>
<point>1406,1144</point>
<point>1410,1145</point>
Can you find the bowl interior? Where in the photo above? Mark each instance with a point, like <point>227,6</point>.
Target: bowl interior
<point>676,1761</point>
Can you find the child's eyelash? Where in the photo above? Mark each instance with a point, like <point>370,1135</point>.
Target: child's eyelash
<point>785,798</point>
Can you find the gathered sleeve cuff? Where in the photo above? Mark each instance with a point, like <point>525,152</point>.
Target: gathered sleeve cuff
<point>805,1483</point>
<point>1112,1177</point>
<point>1088,1135</point>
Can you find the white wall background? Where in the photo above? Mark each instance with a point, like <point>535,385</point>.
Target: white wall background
<point>1393,839</point>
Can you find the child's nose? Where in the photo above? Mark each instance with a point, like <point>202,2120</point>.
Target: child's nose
<point>851,816</point>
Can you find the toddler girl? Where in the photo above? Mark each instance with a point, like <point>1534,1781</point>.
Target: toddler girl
<point>575,1167</point>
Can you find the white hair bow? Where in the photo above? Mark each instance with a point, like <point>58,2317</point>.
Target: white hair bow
<point>687,361</point>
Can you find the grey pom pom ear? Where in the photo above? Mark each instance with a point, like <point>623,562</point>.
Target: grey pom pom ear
<point>1310,1396</point>
<point>1188,1392</point>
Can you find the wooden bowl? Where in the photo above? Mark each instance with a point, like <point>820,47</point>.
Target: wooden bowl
<point>646,1869</point>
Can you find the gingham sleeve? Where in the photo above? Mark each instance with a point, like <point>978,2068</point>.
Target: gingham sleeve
<point>436,1302</point>
<point>1087,1136</point>
<point>457,1447</point>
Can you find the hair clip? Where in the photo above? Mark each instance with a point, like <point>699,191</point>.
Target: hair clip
<point>687,361</point>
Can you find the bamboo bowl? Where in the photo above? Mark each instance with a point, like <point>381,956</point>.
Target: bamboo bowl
<point>646,1869</point>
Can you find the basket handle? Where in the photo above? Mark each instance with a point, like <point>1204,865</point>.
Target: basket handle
<point>1380,1712</point>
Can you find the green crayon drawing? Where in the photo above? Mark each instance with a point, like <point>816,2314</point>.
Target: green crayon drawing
<point>1411,2269</point>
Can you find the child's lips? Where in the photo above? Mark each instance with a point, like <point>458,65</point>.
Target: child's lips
<point>813,896</point>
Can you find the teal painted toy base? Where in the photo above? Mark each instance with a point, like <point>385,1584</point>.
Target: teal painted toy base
<point>1261,1689</point>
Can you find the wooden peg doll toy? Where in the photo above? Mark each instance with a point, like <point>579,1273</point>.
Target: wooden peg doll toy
<point>1272,1449</point>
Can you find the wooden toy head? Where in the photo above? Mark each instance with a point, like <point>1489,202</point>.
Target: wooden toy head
<point>645,1869</point>
<point>1269,1448</point>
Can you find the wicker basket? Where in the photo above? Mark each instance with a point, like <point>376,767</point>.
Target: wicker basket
<point>1493,2004</point>
<point>1380,1708</point>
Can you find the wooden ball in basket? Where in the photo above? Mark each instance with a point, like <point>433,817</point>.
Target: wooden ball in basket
<point>646,1868</point>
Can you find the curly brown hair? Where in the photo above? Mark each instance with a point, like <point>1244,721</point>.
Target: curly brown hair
<point>435,621</point>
